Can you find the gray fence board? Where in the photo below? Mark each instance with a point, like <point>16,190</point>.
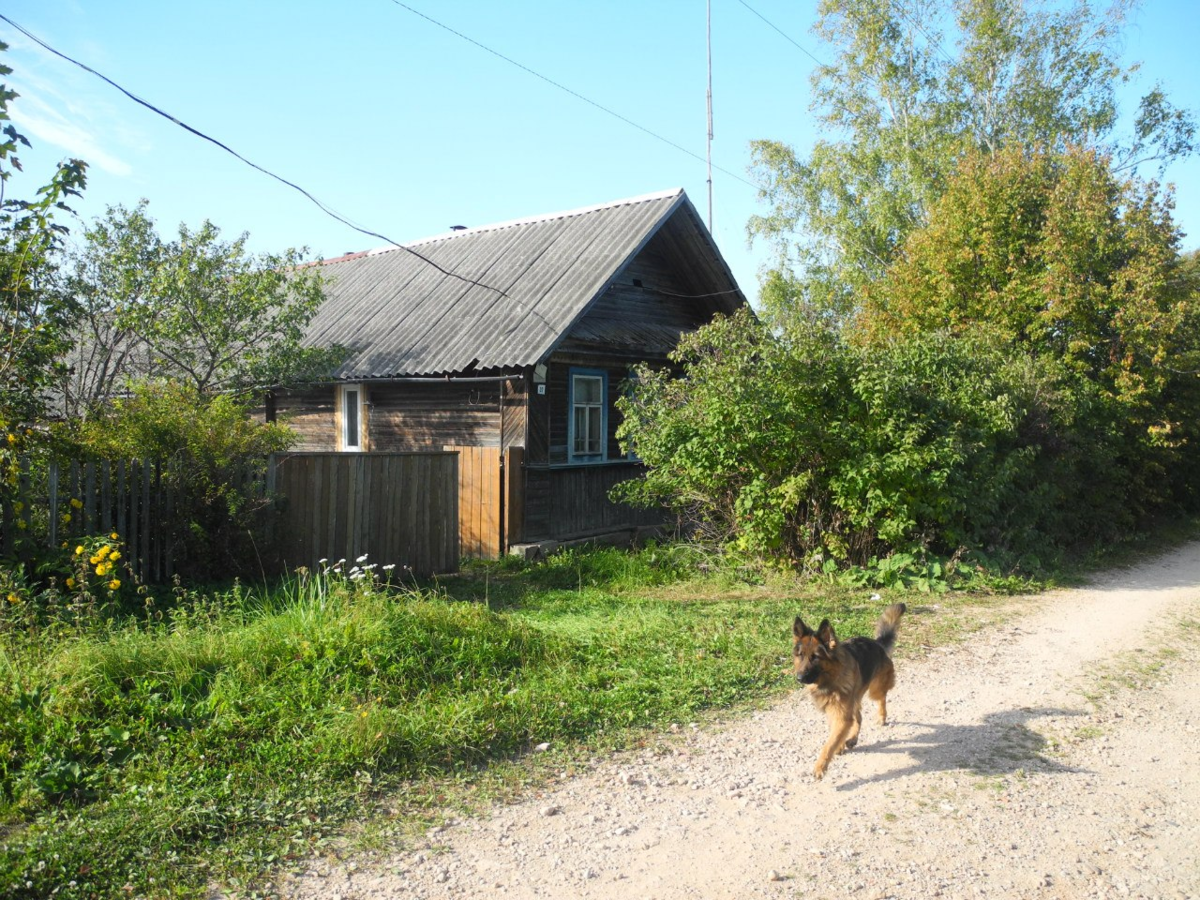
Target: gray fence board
<point>398,508</point>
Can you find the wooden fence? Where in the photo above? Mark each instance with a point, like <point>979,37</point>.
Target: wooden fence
<point>396,508</point>
<point>58,502</point>
<point>571,502</point>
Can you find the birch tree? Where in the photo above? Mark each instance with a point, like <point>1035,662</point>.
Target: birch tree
<point>911,87</point>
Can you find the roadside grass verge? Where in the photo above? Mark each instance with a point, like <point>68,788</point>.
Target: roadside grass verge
<point>241,730</point>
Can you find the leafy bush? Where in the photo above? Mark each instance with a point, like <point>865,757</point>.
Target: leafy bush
<point>803,447</point>
<point>742,445</point>
<point>213,457</point>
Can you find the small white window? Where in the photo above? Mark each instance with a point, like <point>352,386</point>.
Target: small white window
<point>351,397</point>
<point>588,415</point>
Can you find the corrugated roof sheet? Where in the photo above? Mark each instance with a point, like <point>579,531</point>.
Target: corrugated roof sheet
<point>402,317</point>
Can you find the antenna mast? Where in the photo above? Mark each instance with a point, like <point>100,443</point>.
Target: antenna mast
<point>710,120</point>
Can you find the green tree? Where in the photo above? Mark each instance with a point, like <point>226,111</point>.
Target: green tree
<point>1055,253</point>
<point>36,315</point>
<point>1062,260</point>
<point>904,100</point>
<point>196,309</point>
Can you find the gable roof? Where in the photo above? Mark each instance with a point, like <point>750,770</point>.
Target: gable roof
<point>402,317</point>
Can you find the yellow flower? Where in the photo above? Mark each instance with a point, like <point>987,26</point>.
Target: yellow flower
<point>79,551</point>
<point>77,503</point>
<point>12,438</point>
<point>115,556</point>
<point>95,558</point>
<point>66,518</point>
<point>114,584</point>
<point>102,569</point>
<point>13,598</point>
<point>65,545</point>
<point>71,583</point>
<point>103,552</point>
<point>115,536</point>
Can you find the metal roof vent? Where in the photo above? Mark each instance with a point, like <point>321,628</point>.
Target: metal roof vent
<point>458,227</point>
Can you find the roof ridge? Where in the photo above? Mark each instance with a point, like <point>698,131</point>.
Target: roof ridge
<point>495,226</point>
<point>545,217</point>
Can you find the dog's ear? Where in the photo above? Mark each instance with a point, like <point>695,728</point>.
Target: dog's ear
<point>799,629</point>
<point>825,634</point>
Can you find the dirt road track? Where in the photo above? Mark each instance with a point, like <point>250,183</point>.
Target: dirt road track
<point>998,777</point>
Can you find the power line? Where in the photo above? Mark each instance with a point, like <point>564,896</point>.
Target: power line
<point>325,209</point>
<point>783,34</point>
<point>321,206</point>
<point>567,90</point>
<point>796,44</point>
<point>899,8</point>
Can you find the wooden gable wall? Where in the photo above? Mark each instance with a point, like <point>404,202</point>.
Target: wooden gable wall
<point>649,302</point>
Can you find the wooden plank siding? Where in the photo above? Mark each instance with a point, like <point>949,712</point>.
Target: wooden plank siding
<point>398,508</point>
<point>514,496</point>
<point>309,412</point>
<point>569,502</point>
<point>537,435</point>
<point>515,417</point>
<point>557,410</point>
<point>419,416</point>
<point>657,300</point>
<point>409,417</point>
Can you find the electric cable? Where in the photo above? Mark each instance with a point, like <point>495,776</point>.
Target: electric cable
<point>550,81</point>
<point>783,34</point>
<point>320,205</point>
<point>200,134</point>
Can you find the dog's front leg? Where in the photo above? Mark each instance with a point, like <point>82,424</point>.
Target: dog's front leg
<point>840,725</point>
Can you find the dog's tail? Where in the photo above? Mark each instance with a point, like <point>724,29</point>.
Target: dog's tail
<point>889,624</point>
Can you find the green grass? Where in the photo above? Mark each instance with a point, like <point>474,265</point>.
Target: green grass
<point>238,731</point>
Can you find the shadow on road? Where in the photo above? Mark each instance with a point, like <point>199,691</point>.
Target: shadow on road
<point>1000,745</point>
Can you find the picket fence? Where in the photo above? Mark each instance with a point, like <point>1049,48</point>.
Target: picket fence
<point>58,502</point>
<point>399,508</point>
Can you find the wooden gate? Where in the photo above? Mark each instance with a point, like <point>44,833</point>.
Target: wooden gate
<point>489,500</point>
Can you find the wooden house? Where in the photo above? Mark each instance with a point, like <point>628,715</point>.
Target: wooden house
<point>511,343</point>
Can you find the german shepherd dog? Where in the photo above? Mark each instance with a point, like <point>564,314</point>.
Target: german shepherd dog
<point>838,673</point>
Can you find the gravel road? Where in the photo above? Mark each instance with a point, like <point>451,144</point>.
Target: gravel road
<point>1054,755</point>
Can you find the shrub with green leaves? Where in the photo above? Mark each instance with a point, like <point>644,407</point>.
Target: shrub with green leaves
<point>803,447</point>
<point>741,445</point>
<point>213,456</point>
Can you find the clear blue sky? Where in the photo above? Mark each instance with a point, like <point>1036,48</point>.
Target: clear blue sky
<point>407,129</point>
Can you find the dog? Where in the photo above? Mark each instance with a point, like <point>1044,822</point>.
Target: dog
<point>838,674</point>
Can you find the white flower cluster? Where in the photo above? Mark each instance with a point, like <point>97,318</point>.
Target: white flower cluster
<point>362,573</point>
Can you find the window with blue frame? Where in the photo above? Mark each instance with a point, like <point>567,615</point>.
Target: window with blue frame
<point>589,415</point>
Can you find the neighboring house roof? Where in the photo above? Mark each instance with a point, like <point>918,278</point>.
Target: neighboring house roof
<point>402,317</point>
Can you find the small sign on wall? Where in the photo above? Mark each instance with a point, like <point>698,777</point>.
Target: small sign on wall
<point>541,388</point>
